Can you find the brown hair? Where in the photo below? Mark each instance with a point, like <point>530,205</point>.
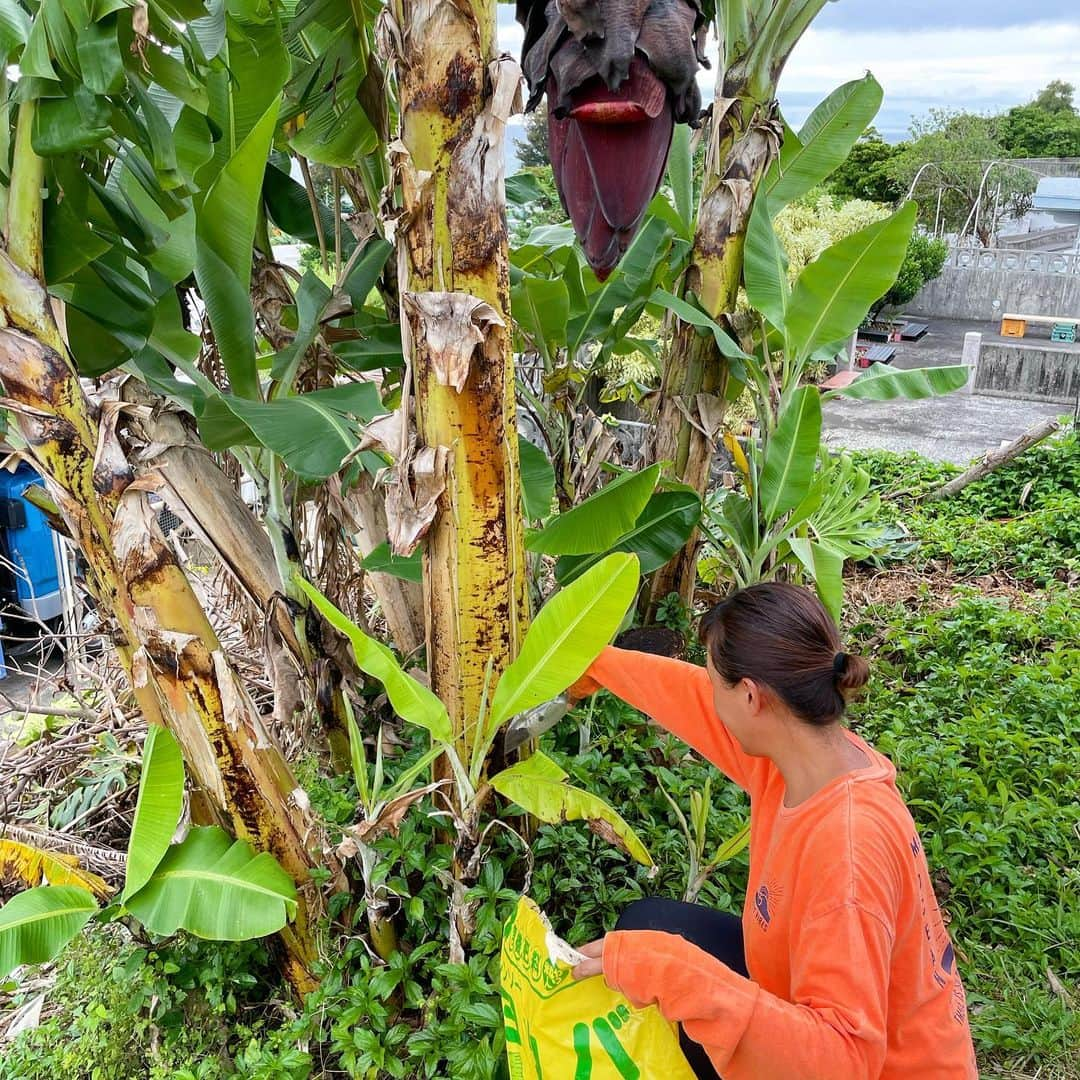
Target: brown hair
<point>781,636</point>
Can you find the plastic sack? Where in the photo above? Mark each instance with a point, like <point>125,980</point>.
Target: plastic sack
<point>559,1029</point>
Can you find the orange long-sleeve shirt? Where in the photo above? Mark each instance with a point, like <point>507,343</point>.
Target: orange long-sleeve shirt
<point>852,974</point>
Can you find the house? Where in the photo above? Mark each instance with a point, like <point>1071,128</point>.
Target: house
<point>1056,206</point>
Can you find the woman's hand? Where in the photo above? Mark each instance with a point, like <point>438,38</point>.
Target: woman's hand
<point>595,964</point>
<point>583,688</point>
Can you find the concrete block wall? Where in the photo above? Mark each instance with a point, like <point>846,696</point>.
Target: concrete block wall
<point>986,284</point>
<point>1030,372</point>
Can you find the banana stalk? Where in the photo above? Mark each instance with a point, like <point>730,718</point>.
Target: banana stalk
<point>745,136</point>
<point>176,665</point>
<point>456,94</point>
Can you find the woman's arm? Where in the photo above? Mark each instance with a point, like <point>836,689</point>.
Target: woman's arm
<point>678,696</point>
<point>839,981</point>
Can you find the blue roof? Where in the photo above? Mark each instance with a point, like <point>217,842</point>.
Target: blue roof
<point>1058,193</point>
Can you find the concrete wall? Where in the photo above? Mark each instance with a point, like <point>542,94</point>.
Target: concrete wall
<point>1029,283</point>
<point>1029,372</point>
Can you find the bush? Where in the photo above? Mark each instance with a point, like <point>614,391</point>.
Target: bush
<point>178,1011</point>
<point>1023,520</point>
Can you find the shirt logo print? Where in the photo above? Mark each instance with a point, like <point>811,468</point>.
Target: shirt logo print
<point>766,898</point>
<point>761,904</point>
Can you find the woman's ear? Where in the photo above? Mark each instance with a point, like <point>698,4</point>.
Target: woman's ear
<point>754,695</point>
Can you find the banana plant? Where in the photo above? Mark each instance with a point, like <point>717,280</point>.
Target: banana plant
<point>383,805</point>
<point>569,323</point>
<point>133,138</point>
<point>793,515</point>
<point>566,635</point>
<point>745,134</point>
<point>207,883</point>
<point>695,830</point>
<point>801,512</point>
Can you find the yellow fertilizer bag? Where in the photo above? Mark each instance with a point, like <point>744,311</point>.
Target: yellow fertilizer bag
<point>559,1029</point>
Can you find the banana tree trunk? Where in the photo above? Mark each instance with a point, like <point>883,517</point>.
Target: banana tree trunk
<point>178,671</point>
<point>456,93</point>
<point>207,501</point>
<point>745,136</point>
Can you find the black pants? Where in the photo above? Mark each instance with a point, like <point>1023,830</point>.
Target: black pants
<point>715,932</point>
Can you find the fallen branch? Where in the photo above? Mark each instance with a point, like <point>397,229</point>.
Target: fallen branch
<point>993,460</point>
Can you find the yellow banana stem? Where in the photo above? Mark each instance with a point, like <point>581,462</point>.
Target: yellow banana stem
<point>455,95</point>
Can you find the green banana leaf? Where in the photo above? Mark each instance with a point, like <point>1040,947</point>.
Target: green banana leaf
<point>884,383</point>
<point>225,229</point>
<point>791,455</point>
<point>537,480</point>
<point>825,565</point>
<point>539,787</point>
<point>680,175</point>
<point>824,142</point>
<point>541,308</point>
<point>835,291</point>
<point>311,299</point>
<point>35,925</point>
<point>665,525</point>
<point>411,700</point>
<point>382,560</point>
<point>313,433</point>
<point>215,888</point>
<point>565,637</point>
<point>157,809</point>
<point>601,520</point>
<point>696,317</point>
<point>765,265</point>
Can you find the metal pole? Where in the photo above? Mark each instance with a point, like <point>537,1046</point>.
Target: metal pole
<point>922,169</point>
<point>978,204</point>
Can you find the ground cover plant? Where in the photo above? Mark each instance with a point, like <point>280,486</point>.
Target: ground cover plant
<point>1022,521</point>
<point>973,697</point>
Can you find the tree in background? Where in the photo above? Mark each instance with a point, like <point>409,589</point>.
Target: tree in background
<point>1056,97</point>
<point>959,147</point>
<point>1049,126</point>
<point>532,151</point>
<point>865,173</point>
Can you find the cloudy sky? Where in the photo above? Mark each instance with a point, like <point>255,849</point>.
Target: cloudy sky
<point>982,56</point>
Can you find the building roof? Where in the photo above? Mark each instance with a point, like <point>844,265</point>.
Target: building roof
<point>1058,193</point>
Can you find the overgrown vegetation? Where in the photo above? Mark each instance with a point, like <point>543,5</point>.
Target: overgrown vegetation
<point>1022,521</point>
<point>973,697</point>
<point>155,155</point>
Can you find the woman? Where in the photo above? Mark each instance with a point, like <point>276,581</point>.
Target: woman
<point>841,968</point>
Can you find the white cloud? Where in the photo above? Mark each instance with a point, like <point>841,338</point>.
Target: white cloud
<point>1012,63</point>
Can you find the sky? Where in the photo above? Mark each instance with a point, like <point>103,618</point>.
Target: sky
<point>958,54</point>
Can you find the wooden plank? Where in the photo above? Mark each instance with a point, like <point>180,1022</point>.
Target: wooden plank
<point>1045,320</point>
<point>840,380</point>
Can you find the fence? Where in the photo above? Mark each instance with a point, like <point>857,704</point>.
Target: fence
<point>984,283</point>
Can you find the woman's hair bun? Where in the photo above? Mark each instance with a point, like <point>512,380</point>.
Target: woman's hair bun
<point>854,676</point>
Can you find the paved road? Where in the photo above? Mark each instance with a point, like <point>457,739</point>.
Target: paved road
<point>956,428</point>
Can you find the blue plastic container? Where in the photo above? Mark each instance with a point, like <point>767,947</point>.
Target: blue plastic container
<point>30,546</point>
